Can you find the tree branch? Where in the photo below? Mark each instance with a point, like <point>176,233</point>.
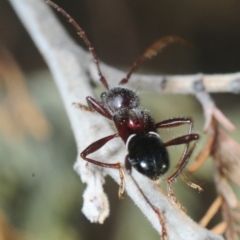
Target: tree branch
<point>184,84</point>
<point>69,64</point>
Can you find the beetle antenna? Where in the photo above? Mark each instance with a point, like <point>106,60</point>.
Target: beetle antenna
<point>150,52</point>
<point>82,35</point>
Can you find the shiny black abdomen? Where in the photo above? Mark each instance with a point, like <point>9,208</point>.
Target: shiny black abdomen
<point>148,155</point>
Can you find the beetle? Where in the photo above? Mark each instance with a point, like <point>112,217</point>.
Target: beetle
<point>147,152</point>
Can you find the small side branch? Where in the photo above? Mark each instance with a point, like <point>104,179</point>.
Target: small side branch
<point>183,84</point>
<point>210,109</point>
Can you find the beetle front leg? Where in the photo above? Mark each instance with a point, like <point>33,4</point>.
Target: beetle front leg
<point>98,107</point>
<point>94,105</point>
<point>83,107</point>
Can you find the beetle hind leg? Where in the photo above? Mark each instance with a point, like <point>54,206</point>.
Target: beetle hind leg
<point>93,148</point>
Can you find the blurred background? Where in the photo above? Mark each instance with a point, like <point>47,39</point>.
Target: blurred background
<point>40,194</point>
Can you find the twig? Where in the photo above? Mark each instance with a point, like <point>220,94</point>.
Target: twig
<point>225,152</point>
<point>220,228</point>
<point>68,65</point>
<point>211,211</point>
<point>183,84</point>
<point>209,107</point>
